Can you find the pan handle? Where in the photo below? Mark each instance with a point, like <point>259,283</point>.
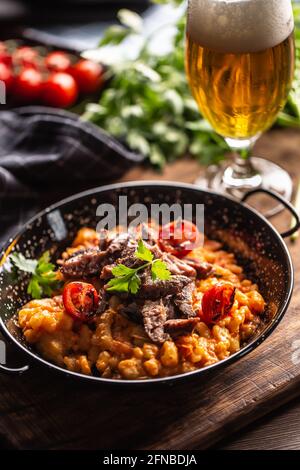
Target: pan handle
<point>4,368</point>
<point>10,370</point>
<point>284,202</point>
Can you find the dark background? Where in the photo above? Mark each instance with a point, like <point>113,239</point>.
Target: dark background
<point>45,11</point>
<point>70,24</point>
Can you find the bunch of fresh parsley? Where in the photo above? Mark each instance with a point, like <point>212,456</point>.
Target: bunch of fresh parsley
<point>43,280</point>
<point>148,105</point>
<point>127,279</point>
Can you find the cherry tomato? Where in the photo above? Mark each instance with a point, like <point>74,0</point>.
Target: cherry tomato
<point>179,237</point>
<point>28,85</point>
<point>80,300</point>
<point>60,90</point>
<point>26,56</point>
<point>5,56</point>
<point>6,76</point>
<point>217,302</point>
<point>57,61</point>
<point>88,76</point>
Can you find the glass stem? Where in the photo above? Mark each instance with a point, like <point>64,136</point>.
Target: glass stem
<point>241,173</point>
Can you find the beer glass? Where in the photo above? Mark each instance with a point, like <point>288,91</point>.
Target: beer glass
<point>240,65</point>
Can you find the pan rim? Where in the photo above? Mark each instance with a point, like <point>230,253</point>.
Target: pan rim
<point>180,377</point>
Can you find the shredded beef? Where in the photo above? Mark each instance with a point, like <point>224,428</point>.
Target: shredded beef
<point>155,314</point>
<point>177,266</point>
<point>83,263</point>
<point>132,311</point>
<point>89,262</point>
<point>157,289</point>
<point>180,325</point>
<point>184,301</point>
<point>105,239</point>
<point>103,303</point>
<point>120,243</point>
<point>202,268</point>
<point>106,272</point>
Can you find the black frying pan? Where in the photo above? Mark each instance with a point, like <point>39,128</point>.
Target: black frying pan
<point>256,243</point>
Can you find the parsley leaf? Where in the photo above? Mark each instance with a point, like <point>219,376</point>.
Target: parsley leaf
<point>23,264</point>
<point>143,252</point>
<point>43,279</point>
<point>134,284</point>
<point>34,289</point>
<point>119,284</point>
<point>159,270</point>
<point>122,270</point>
<point>127,279</point>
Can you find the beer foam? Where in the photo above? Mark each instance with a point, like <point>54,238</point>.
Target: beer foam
<point>239,26</point>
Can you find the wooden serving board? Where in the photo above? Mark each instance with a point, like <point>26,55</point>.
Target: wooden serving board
<point>41,409</point>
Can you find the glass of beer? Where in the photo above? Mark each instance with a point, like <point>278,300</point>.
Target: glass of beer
<point>240,66</point>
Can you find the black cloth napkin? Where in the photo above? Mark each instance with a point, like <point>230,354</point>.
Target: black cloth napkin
<point>46,154</point>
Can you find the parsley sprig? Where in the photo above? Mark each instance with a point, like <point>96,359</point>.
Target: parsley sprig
<point>127,279</point>
<point>43,279</point>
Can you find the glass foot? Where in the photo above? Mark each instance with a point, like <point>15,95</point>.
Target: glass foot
<point>266,174</point>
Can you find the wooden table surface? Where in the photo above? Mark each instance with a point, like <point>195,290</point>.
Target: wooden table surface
<point>279,430</point>
<point>29,405</point>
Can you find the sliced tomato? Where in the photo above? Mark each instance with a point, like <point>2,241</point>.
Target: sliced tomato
<point>57,61</point>
<point>217,302</point>
<point>179,237</point>
<point>80,300</point>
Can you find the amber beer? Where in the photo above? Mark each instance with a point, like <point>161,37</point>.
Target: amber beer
<point>240,62</point>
